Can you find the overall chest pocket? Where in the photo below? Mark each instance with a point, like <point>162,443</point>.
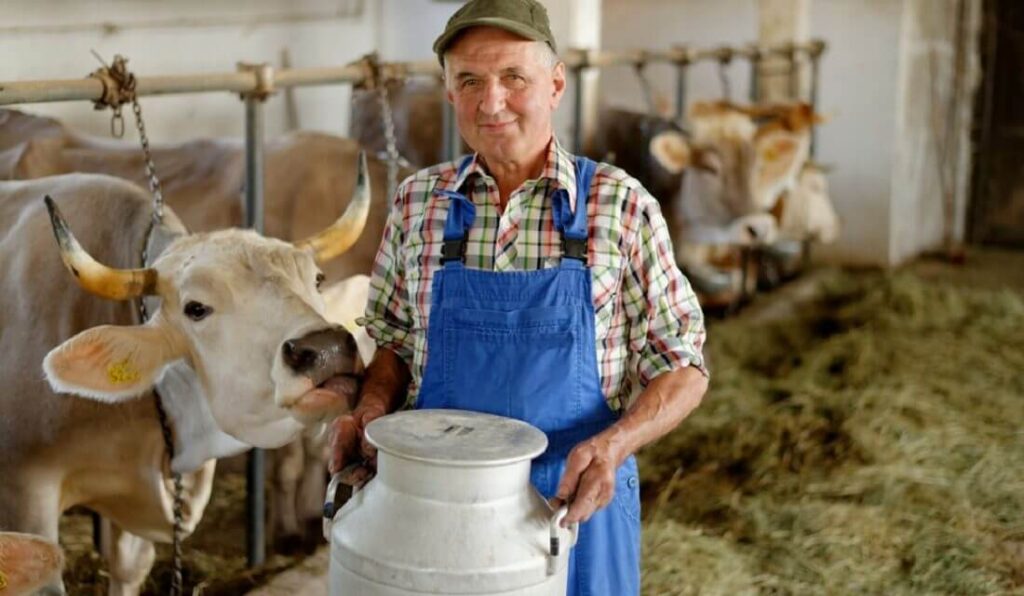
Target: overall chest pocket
<point>524,363</point>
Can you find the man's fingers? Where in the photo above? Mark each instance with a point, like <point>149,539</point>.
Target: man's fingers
<point>356,475</point>
<point>574,467</point>
<point>344,438</point>
<point>586,501</point>
<point>367,449</point>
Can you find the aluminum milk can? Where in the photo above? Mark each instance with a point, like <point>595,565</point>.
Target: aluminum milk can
<point>450,511</point>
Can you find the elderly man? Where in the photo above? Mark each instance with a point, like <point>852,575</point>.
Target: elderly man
<point>526,282</point>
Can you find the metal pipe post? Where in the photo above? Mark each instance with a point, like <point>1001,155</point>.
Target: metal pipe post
<point>815,56</point>
<point>755,76</point>
<point>681,91</point>
<point>794,74</point>
<point>255,497</point>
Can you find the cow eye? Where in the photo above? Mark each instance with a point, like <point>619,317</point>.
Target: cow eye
<point>197,311</point>
<point>319,280</point>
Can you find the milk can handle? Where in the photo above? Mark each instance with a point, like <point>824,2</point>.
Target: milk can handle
<point>331,499</point>
<point>555,545</point>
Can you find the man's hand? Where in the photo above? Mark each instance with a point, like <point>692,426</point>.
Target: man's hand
<point>349,446</point>
<point>382,391</point>
<point>588,483</point>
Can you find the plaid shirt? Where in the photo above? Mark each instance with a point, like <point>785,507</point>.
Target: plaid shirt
<point>647,317</point>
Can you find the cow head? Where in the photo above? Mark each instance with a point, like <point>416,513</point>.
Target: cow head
<point>737,161</point>
<point>244,311</point>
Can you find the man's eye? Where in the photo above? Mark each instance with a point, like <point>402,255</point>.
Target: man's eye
<point>470,83</point>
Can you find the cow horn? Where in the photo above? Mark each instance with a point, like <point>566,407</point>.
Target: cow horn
<point>344,232</point>
<point>94,277</point>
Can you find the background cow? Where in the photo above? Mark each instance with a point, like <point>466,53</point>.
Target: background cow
<point>215,355</point>
<point>720,183</point>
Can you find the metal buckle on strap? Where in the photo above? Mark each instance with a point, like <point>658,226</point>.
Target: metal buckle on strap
<point>453,250</point>
<point>574,248</point>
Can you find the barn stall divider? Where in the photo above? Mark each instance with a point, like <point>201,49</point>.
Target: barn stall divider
<point>254,83</point>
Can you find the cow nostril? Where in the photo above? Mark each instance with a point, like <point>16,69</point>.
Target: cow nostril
<point>297,357</point>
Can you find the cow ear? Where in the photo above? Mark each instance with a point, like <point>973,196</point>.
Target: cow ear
<point>779,155</point>
<point>671,151</point>
<point>110,363</point>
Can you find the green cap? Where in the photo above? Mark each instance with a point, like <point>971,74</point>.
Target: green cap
<point>526,18</point>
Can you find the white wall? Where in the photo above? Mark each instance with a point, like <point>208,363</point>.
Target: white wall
<point>660,24</point>
<point>932,169</point>
<point>43,39</point>
<point>858,91</point>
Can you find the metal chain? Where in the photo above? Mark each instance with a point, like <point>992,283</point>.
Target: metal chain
<point>723,79</point>
<point>165,428</point>
<point>118,89</point>
<point>154,181</point>
<point>645,86</point>
<point>391,144</point>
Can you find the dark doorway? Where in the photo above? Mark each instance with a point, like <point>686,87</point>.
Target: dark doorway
<point>997,206</point>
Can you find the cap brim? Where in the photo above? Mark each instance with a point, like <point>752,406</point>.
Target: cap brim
<point>511,26</point>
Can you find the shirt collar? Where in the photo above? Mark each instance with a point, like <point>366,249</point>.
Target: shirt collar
<point>559,169</point>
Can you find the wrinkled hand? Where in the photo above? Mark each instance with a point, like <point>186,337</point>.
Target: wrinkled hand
<point>588,483</point>
<point>348,444</point>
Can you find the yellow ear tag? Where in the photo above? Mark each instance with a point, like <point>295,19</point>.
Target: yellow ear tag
<point>121,373</point>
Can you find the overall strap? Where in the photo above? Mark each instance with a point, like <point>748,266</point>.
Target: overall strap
<point>573,224</point>
<point>461,214</point>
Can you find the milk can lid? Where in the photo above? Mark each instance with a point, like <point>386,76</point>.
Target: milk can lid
<point>456,437</point>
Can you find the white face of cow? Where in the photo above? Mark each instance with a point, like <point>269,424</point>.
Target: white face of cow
<point>733,166</point>
<point>243,311</point>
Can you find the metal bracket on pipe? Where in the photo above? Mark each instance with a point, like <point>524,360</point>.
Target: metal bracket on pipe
<point>264,73</point>
<point>681,55</point>
<point>815,48</point>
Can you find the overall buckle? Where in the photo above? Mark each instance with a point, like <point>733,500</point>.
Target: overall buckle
<point>575,248</point>
<point>453,250</point>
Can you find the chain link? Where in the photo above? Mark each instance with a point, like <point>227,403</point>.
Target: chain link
<point>165,428</point>
<point>154,181</point>
<point>391,143</point>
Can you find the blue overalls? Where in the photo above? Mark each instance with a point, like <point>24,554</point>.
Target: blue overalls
<point>522,344</point>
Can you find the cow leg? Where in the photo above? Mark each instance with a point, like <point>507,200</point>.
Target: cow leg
<point>32,505</point>
<point>129,559</point>
<point>287,470</point>
<point>310,500</point>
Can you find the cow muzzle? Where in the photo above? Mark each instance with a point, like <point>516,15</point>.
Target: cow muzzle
<point>329,360</point>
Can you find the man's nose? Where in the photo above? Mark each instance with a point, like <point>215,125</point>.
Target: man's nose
<point>493,101</point>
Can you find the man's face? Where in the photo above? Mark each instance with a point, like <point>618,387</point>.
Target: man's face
<point>504,89</point>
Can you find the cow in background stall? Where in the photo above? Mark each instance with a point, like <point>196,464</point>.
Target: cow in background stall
<point>306,180</point>
<point>417,109</point>
<point>28,563</point>
<point>721,184</point>
<point>236,344</point>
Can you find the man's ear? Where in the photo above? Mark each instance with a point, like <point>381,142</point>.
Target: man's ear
<point>110,363</point>
<point>558,79</point>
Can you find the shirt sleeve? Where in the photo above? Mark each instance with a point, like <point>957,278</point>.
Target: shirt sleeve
<point>667,322</point>
<point>387,318</point>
